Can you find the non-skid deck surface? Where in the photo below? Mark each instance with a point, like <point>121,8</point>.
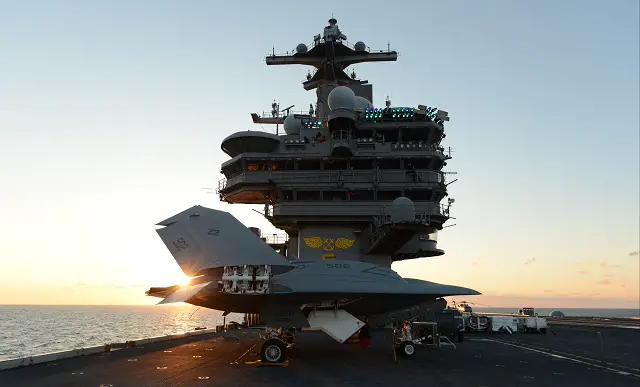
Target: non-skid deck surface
<point>319,361</point>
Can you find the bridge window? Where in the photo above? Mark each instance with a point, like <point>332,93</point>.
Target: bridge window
<point>388,195</point>
<point>232,170</point>
<point>418,163</point>
<point>309,165</point>
<point>308,195</point>
<point>389,164</point>
<point>334,195</point>
<point>419,194</point>
<point>334,165</point>
<point>360,195</point>
<point>257,166</point>
<point>282,165</point>
<point>365,164</point>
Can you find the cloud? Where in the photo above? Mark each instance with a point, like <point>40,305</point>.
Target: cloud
<point>604,282</point>
<point>583,272</point>
<point>477,262</point>
<point>634,253</point>
<point>80,283</point>
<point>528,261</point>
<point>606,265</point>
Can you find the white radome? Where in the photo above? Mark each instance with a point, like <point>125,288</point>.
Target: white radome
<point>342,97</point>
<point>292,125</point>
<point>363,103</point>
<point>403,210</point>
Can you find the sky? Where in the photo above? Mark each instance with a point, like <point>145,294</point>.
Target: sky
<point>112,114</point>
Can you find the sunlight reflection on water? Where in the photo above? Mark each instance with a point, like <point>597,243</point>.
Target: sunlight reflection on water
<point>32,330</point>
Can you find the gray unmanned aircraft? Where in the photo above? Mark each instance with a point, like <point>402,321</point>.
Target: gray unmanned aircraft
<point>236,271</point>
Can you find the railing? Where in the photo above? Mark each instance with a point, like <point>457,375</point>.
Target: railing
<point>416,145</point>
<point>322,41</point>
<point>384,217</point>
<point>368,117</point>
<point>334,177</point>
<point>268,114</point>
<point>222,184</point>
<point>275,239</point>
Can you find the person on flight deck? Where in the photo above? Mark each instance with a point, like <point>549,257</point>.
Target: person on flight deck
<point>365,335</point>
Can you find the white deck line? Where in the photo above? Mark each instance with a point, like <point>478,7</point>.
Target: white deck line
<point>593,363</point>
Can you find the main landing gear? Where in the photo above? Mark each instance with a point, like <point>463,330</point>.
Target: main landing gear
<point>273,351</point>
<point>277,342</point>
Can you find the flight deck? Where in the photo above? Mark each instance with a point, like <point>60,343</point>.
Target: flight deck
<point>571,355</point>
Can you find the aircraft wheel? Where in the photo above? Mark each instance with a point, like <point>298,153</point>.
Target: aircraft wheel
<point>407,349</point>
<point>273,351</point>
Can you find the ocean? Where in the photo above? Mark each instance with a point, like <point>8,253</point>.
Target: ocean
<point>32,330</point>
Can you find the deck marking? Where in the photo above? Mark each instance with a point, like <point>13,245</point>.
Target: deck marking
<point>631,369</point>
<point>564,357</point>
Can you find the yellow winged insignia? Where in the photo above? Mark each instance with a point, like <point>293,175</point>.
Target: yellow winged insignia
<point>313,242</point>
<point>344,243</point>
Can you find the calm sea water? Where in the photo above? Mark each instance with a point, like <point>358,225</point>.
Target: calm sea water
<point>32,330</point>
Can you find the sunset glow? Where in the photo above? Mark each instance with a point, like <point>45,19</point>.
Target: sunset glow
<point>112,115</point>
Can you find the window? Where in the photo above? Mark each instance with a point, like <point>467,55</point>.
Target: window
<point>360,195</point>
<point>257,165</point>
<point>365,164</point>
<point>419,194</point>
<point>418,163</point>
<point>308,195</point>
<point>334,195</point>
<point>232,170</point>
<point>389,164</point>
<point>309,165</point>
<point>334,165</point>
<point>388,195</point>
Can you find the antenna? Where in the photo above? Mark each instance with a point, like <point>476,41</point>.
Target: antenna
<point>287,109</point>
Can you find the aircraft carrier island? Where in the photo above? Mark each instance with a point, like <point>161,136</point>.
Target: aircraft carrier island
<point>355,186</point>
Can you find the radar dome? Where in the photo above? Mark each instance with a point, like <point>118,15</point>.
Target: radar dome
<point>292,125</point>
<point>556,313</point>
<point>403,210</point>
<point>342,97</point>
<point>363,103</point>
<point>360,46</point>
<point>301,48</point>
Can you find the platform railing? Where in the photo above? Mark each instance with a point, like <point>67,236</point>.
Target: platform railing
<point>275,239</point>
<point>351,176</point>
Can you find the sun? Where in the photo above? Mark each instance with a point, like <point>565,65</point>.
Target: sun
<point>184,280</point>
